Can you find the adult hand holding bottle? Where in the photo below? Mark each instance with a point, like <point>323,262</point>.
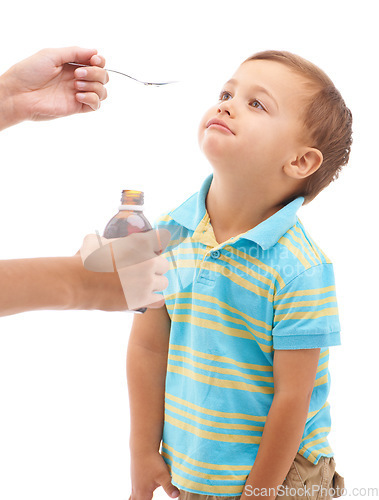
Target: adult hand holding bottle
<point>136,259</point>
<point>63,283</point>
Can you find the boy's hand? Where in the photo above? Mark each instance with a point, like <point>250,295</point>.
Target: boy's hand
<point>43,86</point>
<point>148,472</point>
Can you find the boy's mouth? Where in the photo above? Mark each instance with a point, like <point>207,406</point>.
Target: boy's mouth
<point>217,123</point>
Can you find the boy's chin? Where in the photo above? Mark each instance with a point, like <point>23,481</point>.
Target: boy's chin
<point>221,164</point>
<point>216,152</point>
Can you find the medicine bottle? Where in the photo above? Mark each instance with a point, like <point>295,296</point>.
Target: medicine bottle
<point>129,219</point>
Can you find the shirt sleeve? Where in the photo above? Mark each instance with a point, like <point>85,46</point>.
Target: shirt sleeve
<point>306,311</point>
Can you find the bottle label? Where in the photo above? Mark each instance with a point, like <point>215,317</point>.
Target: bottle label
<point>134,208</point>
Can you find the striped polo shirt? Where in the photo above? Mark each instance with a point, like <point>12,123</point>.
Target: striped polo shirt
<point>231,305</point>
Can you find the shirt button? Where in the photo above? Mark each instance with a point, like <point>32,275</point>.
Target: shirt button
<point>215,254</point>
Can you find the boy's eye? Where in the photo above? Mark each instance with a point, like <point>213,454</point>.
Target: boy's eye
<point>257,104</point>
<point>224,96</point>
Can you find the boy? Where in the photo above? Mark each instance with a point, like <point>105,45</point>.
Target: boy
<point>232,374</point>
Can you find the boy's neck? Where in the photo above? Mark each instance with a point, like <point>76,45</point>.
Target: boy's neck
<point>234,209</point>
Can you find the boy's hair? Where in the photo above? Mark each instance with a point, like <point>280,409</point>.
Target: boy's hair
<point>327,119</point>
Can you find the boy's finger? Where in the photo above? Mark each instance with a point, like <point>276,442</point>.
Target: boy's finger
<point>165,481</point>
<point>170,489</point>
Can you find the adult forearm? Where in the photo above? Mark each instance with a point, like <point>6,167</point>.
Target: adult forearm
<point>278,447</point>
<point>56,283</point>
<point>32,284</point>
<point>9,114</point>
<point>146,375</point>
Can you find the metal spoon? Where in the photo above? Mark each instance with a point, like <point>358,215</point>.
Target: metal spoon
<point>124,74</point>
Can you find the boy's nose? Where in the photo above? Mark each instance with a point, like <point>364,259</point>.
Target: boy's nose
<point>224,108</point>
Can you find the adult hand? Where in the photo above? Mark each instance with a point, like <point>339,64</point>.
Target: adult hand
<point>138,263</point>
<point>44,86</point>
<point>64,283</point>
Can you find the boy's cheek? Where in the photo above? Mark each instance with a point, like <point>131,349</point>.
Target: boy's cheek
<point>211,113</point>
<point>200,139</point>
<point>201,133</point>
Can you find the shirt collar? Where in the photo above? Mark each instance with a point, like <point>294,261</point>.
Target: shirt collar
<point>266,234</point>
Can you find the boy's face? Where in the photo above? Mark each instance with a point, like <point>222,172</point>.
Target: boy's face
<point>264,130</point>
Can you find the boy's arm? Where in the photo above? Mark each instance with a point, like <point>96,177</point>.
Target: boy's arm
<point>294,378</point>
<point>146,374</point>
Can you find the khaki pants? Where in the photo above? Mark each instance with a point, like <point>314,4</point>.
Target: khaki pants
<point>304,481</point>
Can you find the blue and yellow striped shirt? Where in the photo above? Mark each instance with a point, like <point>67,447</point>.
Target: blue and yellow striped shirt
<point>231,305</point>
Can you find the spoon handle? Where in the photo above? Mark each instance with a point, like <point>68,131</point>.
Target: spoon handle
<point>131,77</point>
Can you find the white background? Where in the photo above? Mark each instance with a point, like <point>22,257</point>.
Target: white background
<point>63,395</point>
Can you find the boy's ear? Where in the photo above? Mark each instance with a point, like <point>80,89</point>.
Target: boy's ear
<point>305,164</point>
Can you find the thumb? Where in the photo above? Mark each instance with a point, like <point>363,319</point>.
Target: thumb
<point>72,54</point>
<point>171,490</point>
